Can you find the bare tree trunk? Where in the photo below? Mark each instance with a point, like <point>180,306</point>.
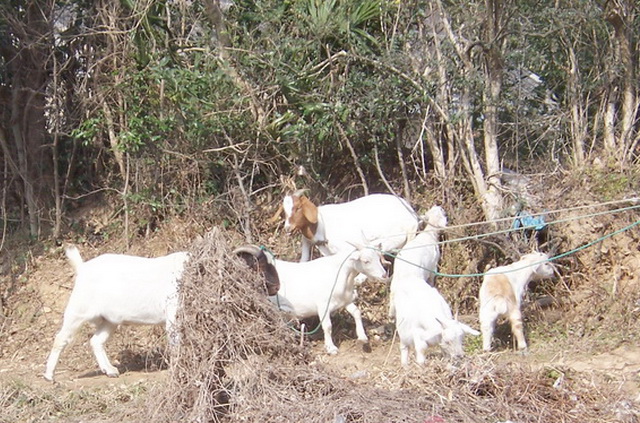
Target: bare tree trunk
<point>463,128</point>
<point>492,199</point>
<point>57,226</point>
<point>354,156</point>
<point>244,214</point>
<point>17,108</point>
<point>216,18</point>
<point>443,98</point>
<point>125,202</point>
<point>620,14</point>
<point>113,139</point>
<point>486,183</point>
<point>609,122</point>
<point>470,154</point>
<point>385,181</point>
<point>578,121</point>
<point>428,133</point>
<point>5,187</point>
<point>401,163</point>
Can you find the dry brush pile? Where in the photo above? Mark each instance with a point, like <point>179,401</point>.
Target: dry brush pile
<point>240,361</point>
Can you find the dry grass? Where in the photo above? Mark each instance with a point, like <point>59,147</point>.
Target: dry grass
<point>239,362</point>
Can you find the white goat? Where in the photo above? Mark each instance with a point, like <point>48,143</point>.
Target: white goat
<point>321,286</point>
<point>115,289</point>
<point>423,317</point>
<point>419,257</point>
<point>502,291</point>
<point>374,219</point>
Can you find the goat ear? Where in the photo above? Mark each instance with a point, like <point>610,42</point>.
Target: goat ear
<point>355,245</point>
<point>276,215</point>
<point>469,330</point>
<point>309,210</point>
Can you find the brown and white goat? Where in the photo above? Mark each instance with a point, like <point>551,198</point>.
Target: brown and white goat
<point>382,219</point>
<point>502,291</point>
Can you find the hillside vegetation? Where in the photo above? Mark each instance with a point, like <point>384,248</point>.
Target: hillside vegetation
<point>142,126</point>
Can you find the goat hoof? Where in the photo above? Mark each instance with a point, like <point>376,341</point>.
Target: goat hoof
<point>112,373</point>
<point>366,347</point>
<point>332,351</point>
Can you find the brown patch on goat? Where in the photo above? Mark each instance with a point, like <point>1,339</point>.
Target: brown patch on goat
<point>304,217</point>
<point>498,286</point>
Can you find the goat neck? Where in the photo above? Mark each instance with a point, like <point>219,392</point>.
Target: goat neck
<point>520,277</point>
<point>319,236</point>
<point>309,231</point>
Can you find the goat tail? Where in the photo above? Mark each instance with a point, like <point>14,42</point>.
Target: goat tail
<point>73,254</point>
<point>500,305</point>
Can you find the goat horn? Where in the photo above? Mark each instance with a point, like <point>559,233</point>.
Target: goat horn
<point>251,249</point>
<point>276,215</point>
<point>300,192</point>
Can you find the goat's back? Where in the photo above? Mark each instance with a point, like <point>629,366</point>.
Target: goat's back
<point>126,289</point>
<point>420,303</point>
<point>375,218</point>
<point>497,293</point>
<point>419,309</point>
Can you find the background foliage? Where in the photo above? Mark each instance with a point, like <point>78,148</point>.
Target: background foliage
<point>162,106</point>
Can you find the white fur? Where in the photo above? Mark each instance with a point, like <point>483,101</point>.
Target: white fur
<point>374,219</point>
<point>419,257</point>
<point>502,291</point>
<point>423,317</point>
<point>115,289</point>
<point>320,287</point>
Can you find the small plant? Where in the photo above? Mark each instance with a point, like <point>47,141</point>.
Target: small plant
<point>609,183</point>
